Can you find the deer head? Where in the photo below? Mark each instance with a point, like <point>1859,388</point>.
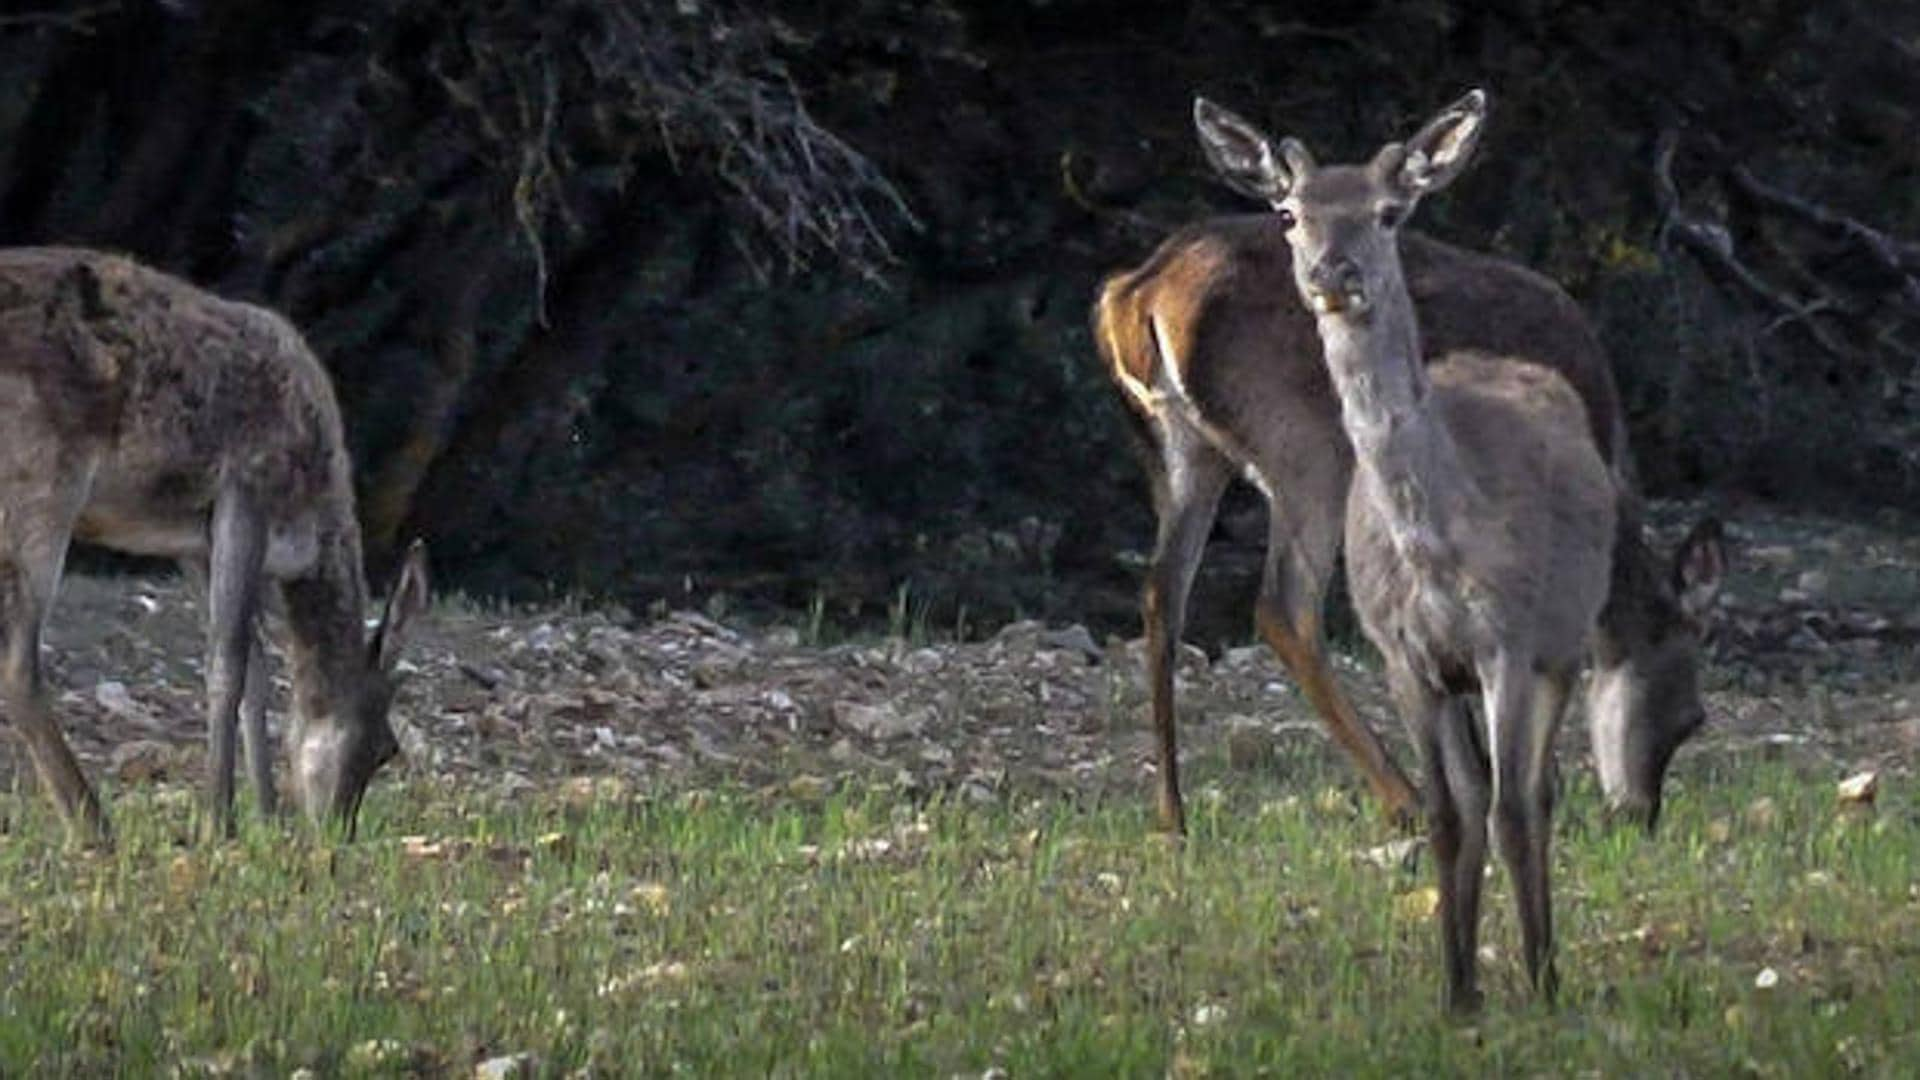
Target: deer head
<point>1345,251</point>
<point>1643,695</point>
<point>343,735</point>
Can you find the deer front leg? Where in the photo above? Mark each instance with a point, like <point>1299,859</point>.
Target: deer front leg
<point>253,700</point>
<point>235,555</point>
<point>1292,592</point>
<point>253,724</point>
<point>1524,711</point>
<point>1470,788</point>
<point>1455,833</point>
<point>1186,494</point>
<point>27,586</point>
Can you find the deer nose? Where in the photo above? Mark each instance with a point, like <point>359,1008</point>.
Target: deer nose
<point>1334,286</point>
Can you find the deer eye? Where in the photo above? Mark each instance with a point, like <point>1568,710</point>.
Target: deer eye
<point>1391,215</point>
<point>1285,217</point>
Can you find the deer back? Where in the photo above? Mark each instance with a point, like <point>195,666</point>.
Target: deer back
<point>166,392</point>
<point>1213,317</point>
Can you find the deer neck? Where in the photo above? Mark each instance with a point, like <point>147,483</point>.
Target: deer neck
<point>326,647</point>
<point>1404,456</point>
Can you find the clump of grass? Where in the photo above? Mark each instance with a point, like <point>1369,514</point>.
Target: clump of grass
<point>910,618</point>
<point>815,633</point>
<point>848,931</point>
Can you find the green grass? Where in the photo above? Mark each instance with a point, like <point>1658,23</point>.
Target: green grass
<point>851,932</point>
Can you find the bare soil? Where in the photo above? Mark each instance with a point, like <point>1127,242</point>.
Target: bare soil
<point>1816,653</point>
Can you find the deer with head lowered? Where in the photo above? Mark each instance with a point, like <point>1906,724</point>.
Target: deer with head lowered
<point>1220,364</point>
<point>142,414</point>
<point>1479,525</point>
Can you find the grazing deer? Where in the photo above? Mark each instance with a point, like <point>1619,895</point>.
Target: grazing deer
<point>1480,524</point>
<point>1220,364</point>
<point>142,414</point>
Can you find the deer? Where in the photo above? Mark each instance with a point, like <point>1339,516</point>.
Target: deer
<point>1219,365</point>
<point>143,414</point>
<point>1479,526</point>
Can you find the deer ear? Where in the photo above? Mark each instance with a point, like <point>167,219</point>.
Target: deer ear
<point>408,599</point>
<point>1699,567</point>
<point>1245,157</point>
<point>1439,152</point>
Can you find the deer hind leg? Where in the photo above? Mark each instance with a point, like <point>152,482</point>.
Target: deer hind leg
<point>236,551</point>
<point>1186,495</point>
<point>29,579</point>
<point>1524,711</point>
<point>1292,592</point>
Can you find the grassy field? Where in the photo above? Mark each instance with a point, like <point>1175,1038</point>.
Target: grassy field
<point>805,929</point>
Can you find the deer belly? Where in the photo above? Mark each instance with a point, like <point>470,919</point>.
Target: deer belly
<point>291,548</point>
<point>142,534</point>
<point>147,510</point>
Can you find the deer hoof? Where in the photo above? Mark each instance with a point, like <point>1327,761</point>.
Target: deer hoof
<point>1464,1004</point>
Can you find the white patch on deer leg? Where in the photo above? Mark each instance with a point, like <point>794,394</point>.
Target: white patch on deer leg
<point>1607,724</point>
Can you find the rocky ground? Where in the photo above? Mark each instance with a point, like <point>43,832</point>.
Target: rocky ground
<point>1816,652</point>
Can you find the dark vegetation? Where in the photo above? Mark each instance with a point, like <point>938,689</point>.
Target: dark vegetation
<point>784,302</point>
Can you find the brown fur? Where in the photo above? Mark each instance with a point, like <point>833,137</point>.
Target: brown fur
<point>1249,357</point>
<point>1223,287</point>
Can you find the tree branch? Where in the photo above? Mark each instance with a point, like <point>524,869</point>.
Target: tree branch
<point>73,22</point>
<point>1712,243</point>
<point>1891,254</point>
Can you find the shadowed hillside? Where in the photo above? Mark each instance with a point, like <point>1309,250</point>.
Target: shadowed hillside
<point>784,303</point>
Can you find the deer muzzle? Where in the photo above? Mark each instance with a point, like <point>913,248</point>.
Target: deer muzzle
<point>1336,287</point>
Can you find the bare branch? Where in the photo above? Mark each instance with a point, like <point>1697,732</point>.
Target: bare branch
<point>1712,243</point>
<point>1077,195</point>
<point>74,22</point>
<point>535,180</point>
<point>1893,255</point>
<point>807,189</point>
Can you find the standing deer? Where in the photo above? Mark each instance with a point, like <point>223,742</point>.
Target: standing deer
<point>1480,524</point>
<point>142,414</point>
<point>1220,365</point>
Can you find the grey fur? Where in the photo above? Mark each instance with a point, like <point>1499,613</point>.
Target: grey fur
<point>143,414</point>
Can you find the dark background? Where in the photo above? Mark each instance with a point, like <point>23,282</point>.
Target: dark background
<point>770,305</point>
